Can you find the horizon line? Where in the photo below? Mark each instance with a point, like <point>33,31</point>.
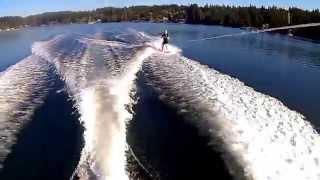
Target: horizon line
<point>200,5</point>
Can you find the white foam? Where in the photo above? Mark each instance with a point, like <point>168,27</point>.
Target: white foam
<point>99,77</point>
<point>22,89</point>
<point>104,114</point>
<point>261,138</point>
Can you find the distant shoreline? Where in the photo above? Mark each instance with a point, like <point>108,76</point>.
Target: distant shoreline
<point>294,37</point>
<point>228,16</point>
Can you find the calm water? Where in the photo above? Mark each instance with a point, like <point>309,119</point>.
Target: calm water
<point>276,65</point>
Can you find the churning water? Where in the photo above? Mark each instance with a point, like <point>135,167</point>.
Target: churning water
<point>125,110</point>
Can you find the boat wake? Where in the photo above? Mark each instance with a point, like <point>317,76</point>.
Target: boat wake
<point>259,136</point>
<point>99,75</point>
<point>22,89</point>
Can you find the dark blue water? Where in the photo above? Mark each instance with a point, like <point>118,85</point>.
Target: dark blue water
<point>49,146</point>
<point>169,147</point>
<point>280,66</point>
<point>277,65</point>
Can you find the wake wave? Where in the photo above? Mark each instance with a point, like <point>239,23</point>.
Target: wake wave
<point>259,136</point>
<point>22,89</point>
<point>99,75</point>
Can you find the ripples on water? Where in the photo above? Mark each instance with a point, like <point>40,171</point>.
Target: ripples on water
<point>179,118</point>
<point>22,89</point>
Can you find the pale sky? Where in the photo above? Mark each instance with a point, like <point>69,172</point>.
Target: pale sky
<point>28,7</point>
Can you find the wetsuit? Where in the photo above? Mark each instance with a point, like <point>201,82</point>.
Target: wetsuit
<point>165,38</point>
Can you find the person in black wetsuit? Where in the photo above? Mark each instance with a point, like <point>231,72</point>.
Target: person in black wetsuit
<point>165,39</point>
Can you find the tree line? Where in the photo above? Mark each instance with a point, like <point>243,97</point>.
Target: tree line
<point>170,13</point>
<point>251,16</point>
<point>255,17</point>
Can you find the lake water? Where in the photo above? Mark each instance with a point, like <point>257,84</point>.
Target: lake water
<point>64,103</point>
